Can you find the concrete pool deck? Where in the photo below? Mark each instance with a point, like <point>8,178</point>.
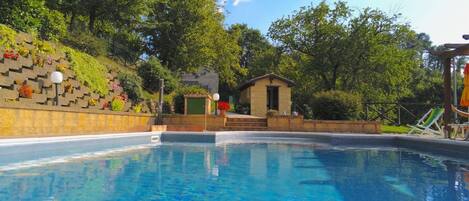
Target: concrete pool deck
<point>13,151</point>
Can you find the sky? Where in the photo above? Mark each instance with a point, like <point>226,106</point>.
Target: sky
<point>444,20</point>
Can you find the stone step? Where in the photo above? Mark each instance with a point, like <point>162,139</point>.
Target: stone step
<point>82,103</point>
<point>39,98</point>
<point>3,68</point>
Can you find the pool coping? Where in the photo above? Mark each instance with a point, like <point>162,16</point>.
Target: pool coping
<point>28,148</point>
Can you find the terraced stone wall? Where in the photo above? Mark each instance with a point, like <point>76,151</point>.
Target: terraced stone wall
<point>72,93</point>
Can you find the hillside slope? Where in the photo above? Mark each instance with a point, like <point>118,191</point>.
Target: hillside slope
<point>26,64</point>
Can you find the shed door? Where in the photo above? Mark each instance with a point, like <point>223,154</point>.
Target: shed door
<point>272,98</point>
<point>196,106</point>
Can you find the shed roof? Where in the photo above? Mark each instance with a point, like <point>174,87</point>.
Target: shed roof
<point>252,81</point>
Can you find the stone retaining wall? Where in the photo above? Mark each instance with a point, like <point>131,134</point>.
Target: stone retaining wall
<point>18,120</point>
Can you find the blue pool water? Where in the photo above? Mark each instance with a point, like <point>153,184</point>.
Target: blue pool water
<point>243,172</point>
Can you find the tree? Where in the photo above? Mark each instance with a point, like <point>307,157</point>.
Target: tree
<point>368,53</point>
<point>188,34</point>
<point>152,71</point>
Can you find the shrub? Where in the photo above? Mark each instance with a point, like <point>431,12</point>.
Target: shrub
<point>53,26</point>
<point>151,71</point>
<point>132,85</point>
<point>138,108</point>
<point>179,96</point>
<point>88,70</point>
<point>86,42</point>
<point>24,15</point>
<point>117,104</point>
<point>7,37</point>
<point>336,105</point>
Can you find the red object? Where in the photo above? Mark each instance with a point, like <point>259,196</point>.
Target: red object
<point>106,105</point>
<point>466,69</point>
<point>10,55</point>
<point>25,91</point>
<point>223,106</point>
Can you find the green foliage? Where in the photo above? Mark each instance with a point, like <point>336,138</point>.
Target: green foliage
<point>24,15</point>
<point>179,96</point>
<point>127,46</point>
<point>89,71</point>
<point>86,42</point>
<point>53,26</point>
<point>132,85</point>
<point>188,35</point>
<point>117,104</point>
<point>138,108</point>
<point>151,71</point>
<point>334,49</point>
<point>336,105</point>
<point>395,129</point>
<point>7,37</point>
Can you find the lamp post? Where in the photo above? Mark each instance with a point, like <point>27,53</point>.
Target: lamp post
<point>216,98</point>
<point>56,77</point>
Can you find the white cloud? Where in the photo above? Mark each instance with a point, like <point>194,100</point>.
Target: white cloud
<point>236,2</point>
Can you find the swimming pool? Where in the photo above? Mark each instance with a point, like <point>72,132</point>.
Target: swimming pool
<point>259,171</point>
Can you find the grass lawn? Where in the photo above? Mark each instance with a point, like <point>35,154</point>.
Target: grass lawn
<point>395,129</point>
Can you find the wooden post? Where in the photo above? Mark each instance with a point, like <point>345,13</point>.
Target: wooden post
<point>447,94</point>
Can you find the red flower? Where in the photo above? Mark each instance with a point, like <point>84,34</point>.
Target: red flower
<point>223,105</point>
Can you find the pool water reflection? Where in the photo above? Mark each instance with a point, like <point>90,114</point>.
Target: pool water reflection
<point>244,172</point>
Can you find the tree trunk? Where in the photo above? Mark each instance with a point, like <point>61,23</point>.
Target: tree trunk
<point>92,16</point>
<point>72,22</point>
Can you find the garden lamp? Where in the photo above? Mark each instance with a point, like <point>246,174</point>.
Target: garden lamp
<point>56,77</point>
<point>216,98</point>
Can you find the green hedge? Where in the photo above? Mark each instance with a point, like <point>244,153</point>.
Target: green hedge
<point>132,85</point>
<point>336,105</point>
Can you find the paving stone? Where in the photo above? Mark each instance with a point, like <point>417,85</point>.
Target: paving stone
<point>82,103</point>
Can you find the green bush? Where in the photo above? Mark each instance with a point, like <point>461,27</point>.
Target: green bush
<point>132,85</point>
<point>179,96</point>
<point>89,71</point>
<point>53,26</point>
<point>86,42</point>
<point>7,37</point>
<point>151,71</point>
<point>336,105</point>
<point>24,15</point>
<point>117,104</point>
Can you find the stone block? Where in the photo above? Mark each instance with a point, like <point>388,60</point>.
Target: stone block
<point>6,81</point>
<point>8,94</point>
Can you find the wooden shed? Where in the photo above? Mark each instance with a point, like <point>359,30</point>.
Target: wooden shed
<point>267,92</point>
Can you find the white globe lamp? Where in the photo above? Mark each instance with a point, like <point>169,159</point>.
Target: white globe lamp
<point>56,77</point>
<point>216,98</point>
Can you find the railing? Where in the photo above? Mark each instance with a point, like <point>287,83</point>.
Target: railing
<point>396,113</point>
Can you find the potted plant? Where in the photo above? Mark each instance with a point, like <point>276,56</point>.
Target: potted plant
<point>25,91</point>
<point>223,107</point>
